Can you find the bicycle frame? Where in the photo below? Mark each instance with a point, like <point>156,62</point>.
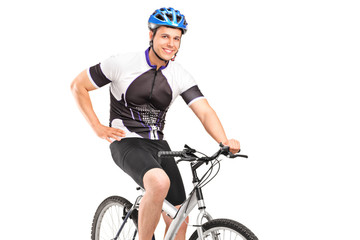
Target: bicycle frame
<point>179,215</point>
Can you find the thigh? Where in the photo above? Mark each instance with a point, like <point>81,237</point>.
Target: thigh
<point>137,156</point>
<point>176,194</point>
<point>134,158</point>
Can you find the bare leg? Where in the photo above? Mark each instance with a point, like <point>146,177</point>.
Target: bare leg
<point>181,234</point>
<point>156,184</point>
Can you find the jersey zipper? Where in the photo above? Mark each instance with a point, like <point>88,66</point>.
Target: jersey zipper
<point>153,133</point>
<point>153,84</point>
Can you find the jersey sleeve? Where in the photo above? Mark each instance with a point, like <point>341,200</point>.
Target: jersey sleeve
<point>189,91</point>
<point>192,94</point>
<point>104,72</point>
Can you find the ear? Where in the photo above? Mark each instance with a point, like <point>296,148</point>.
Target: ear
<point>151,34</point>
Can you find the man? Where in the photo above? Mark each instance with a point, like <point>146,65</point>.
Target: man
<point>142,87</point>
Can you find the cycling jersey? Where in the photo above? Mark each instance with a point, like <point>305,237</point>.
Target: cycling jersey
<point>141,95</point>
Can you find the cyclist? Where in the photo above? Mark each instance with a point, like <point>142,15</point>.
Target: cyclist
<point>142,87</point>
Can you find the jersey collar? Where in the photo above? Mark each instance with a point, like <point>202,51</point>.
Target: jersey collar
<point>148,61</point>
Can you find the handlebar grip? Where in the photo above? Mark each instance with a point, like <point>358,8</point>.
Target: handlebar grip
<point>171,153</point>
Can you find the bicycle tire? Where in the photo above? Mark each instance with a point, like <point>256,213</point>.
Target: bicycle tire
<point>224,229</point>
<point>108,218</point>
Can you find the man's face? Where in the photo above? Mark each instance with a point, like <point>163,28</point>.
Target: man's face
<point>166,41</point>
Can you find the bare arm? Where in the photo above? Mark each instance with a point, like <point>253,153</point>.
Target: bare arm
<point>80,88</point>
<point>212,124</point>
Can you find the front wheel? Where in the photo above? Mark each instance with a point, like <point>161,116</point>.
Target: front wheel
<point>224,229</point>
<point>110,216</point>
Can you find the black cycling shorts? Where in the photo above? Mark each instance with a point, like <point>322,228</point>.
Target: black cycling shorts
<point>136,156</point>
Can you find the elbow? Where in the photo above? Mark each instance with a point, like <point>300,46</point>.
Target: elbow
<point>77,88</point>
<point>74,87</point>
<point>77,85</point>
<point>81,84</point>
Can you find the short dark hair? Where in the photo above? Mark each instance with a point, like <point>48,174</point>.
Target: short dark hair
<point>154,30</point>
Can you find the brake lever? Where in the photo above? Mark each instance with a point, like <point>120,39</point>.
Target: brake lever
<point>186,159</point>
<point>231,155</point>
<point>188,149</point>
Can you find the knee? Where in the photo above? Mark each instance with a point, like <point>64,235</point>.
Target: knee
<point>156,183</point>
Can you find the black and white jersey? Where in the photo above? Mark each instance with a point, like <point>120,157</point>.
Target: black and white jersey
<point>140,94</point>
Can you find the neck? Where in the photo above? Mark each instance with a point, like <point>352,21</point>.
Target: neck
<point>156,60</point>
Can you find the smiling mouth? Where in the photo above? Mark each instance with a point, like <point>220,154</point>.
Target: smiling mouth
<point>168,51</point>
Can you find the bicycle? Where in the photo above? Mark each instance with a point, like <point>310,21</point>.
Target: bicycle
<point>116,217</point>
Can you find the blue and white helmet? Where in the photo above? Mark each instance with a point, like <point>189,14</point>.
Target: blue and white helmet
<point>168,17</point>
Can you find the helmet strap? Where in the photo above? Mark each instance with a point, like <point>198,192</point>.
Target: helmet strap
<point>152,47</point>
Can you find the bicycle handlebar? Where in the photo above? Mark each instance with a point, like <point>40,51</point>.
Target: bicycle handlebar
<point>188,154</point>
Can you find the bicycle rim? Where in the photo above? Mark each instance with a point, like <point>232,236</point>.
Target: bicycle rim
<point>223,233</point>
<point>225,229</point>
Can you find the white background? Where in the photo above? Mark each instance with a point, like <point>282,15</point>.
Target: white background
<point>282,76</point>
